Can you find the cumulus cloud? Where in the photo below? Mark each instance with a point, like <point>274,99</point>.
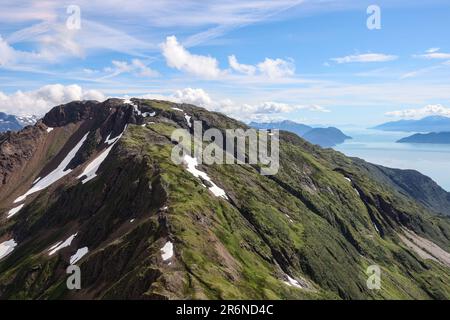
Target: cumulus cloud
<point>40,101</point>
<point>276,68</point>
<point>179,58</point>
<point>193,96</point>
<point>366,57</point>
<point>208,67</point>
<point>429,110</point>
<point>270,68</point>
<point>242,68</point>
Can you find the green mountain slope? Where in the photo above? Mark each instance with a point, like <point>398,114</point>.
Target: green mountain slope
<point>308,232</point>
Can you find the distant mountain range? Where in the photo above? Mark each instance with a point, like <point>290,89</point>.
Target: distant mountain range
<point>432,138</point>
<point>427,124</point>
<point>324,137</point>
<point>9,122</point>
<point>14,123</point>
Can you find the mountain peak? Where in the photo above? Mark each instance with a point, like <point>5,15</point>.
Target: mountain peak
<point>99,189</point>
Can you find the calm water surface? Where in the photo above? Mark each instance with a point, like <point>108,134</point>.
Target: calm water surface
<point>380,147</point>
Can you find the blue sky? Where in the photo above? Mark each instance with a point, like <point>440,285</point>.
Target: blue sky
<point>309,61</point>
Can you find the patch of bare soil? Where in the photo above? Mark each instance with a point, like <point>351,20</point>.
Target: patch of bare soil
<point>425,248</point>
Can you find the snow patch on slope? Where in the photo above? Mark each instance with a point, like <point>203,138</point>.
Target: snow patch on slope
<point>61,244</point>
<point>191,167</point>
<point>167,251</point>
<point>7,247</point>
<point>188,119</point>
<point>110,141</point>
<point>148,114</point>
<point>291,282</point>
<point>78,255</point>
<point>14,211</point>
<point>91,169</point>
<point>56,174</point>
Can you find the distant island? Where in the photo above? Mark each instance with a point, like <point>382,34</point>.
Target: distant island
<point>324,137</point>
<point>432,138</point>
<point>427,124</point>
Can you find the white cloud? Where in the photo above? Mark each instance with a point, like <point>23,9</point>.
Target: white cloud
<point>136,67</point>
<point>269,68</point>
<point>418,72</point>
<point>9,56</point>
<point>143,70</point>
<point>432,109</point>
<point>208,67</point>
<point>243,68</point>
<point>51,48</point>
<point>242,111</point>
<point>270,107</point>
<point>40,101</point>
<point>431,50</point>
<point>276,68</point>
<point>7,53</point>
<point>433,53</point>
<point>366,57</point>
<point>179,58</point>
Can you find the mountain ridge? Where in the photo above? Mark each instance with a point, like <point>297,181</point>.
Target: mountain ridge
<point>308,232</point>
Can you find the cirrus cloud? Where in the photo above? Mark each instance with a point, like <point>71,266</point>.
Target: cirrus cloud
<point>366,57</point>
<point>433,53</point>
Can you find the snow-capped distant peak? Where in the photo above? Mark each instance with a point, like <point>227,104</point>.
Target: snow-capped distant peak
<point>27,120</point>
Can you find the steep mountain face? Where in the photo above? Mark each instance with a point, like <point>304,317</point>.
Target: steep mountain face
<point>9,122</point>
<point>433,138</point>
<point>93,184</point>
<point>414,185</point>
<point>324,137</point>
<point>427,124</point>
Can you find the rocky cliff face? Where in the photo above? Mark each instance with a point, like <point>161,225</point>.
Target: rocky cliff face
<point>93,184</point>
